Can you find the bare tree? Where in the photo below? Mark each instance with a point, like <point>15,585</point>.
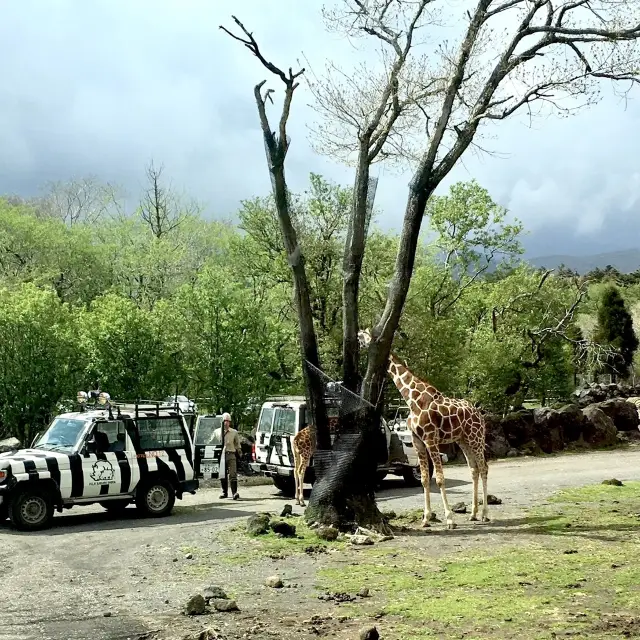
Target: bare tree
<point>276,147</point>
<point>540,56</point>
<point>79,200</point>
<point>161,207</point>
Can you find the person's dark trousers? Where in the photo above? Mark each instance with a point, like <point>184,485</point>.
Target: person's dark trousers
<point>231,475</point>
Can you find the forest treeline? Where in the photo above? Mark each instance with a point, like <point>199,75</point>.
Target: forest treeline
<point>159,299</point>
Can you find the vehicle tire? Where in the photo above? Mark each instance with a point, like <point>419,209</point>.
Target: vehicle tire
<point>412,477</point>
<point>155,498</point>
<point>31,509</point>
<point>286,485</point>
<point>115,506</point>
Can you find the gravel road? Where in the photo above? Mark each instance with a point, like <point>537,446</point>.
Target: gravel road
<point>94,576</point>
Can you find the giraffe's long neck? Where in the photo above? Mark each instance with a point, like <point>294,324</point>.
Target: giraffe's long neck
<point>410,386</point>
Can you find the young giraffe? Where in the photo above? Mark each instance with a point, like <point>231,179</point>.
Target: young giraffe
<point>434,420</point>
<point>304,444</point>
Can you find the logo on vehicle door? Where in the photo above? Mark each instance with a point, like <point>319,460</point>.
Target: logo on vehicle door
<point>102,471</point>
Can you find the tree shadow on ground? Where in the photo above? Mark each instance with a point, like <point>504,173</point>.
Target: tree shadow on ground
<point>73,522</point>
<point>531,526</point>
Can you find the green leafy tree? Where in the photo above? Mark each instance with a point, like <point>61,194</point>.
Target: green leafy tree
<point>615,330</point>
<point>230,348</point>
<point>38,358</point>
<point>123,350</point>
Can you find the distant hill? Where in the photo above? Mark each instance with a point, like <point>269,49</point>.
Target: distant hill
<point>626,261</point>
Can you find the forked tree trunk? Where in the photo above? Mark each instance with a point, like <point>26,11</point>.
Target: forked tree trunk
<point>344,494</point>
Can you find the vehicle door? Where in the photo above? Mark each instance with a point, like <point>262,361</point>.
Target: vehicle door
<point>280,451</point>
<point>108,457</point>
<point>208,446</point>
<point>263,434</point>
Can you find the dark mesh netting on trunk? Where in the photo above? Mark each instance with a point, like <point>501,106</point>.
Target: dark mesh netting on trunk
<point>349,467</point>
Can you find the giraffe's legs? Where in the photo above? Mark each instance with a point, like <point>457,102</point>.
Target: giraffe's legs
<point>484,472</point>
<point>437,465</point>
<point>300,482</point>
<point>475,473</point>
<point>426,480</point>
<point>296,476</point>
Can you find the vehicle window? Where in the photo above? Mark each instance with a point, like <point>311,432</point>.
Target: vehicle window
<point>161,433</point>
<point>209,430</point>
<point>266,417</point>
<point>63,433</point>
<point>284,422</point>
<point>110,436</point>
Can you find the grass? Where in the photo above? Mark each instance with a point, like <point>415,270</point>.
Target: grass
<point>241,549</point>
<point>575,567</point>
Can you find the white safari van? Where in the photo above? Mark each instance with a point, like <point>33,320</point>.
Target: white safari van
<point>280,420</point>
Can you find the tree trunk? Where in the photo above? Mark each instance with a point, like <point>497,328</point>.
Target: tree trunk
<point>352,268</point>
<point>308,342</point>
<point>345,493</point>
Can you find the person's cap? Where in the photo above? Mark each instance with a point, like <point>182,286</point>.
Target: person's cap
<point>225,417</point>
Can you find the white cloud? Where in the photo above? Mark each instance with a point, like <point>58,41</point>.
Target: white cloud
<point>104,86</point>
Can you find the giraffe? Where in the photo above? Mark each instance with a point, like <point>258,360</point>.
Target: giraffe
<point>435,419</point>
<point>304,445</point>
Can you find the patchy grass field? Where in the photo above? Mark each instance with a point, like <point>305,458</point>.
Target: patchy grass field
<point>568,568</point>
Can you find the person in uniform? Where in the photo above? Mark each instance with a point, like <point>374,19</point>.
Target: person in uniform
<point>231,450</point>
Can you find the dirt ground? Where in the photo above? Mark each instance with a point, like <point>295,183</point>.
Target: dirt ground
<point>98,577</point>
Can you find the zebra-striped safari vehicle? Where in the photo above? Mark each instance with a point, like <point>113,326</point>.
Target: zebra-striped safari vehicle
<point>106,453</point>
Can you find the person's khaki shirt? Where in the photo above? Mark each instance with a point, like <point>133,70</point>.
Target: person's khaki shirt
<point>232,441</point>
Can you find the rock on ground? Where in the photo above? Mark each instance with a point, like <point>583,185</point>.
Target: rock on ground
<point>275,582</point>
<point>599,430</point>
<point>283,528</point>
<point>258,524</point>
<point>327,533</point>
<point>225,605</point>
<point>214,593</point>
<point>623,413</point>
<point>195,606</point>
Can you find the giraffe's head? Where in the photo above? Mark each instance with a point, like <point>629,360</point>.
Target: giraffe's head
<point>364,338</point>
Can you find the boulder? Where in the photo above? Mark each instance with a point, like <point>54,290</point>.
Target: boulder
<point>497,443</point>
<point>195,606</point>
<point>599,430</point>
<point>258,524</point>
<point>572,420</point>
<point>214,593</point>
<point>327,533</point>
<point>549,432</point>
<point>518,427</point>
<point>274,582</point>
<point>623,413</point>
<point>283,528</point>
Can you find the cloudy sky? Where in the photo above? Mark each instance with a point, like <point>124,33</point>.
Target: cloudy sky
<point>103,86</point>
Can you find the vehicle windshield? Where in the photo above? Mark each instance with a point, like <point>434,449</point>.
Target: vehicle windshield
<point>63,433</point>
<point>209,430</point>
<point>285,422</point>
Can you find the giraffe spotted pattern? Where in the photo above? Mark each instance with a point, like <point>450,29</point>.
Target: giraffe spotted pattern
<point>436,420</point>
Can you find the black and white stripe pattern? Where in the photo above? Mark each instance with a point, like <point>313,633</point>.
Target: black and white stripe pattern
<point>72,473</point>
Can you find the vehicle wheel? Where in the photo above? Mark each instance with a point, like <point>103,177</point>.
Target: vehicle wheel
<point>156,498</point>
<point>412,477</point>
<point>31,510</point>
<point>286,485</point>
<point>115,506</point>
